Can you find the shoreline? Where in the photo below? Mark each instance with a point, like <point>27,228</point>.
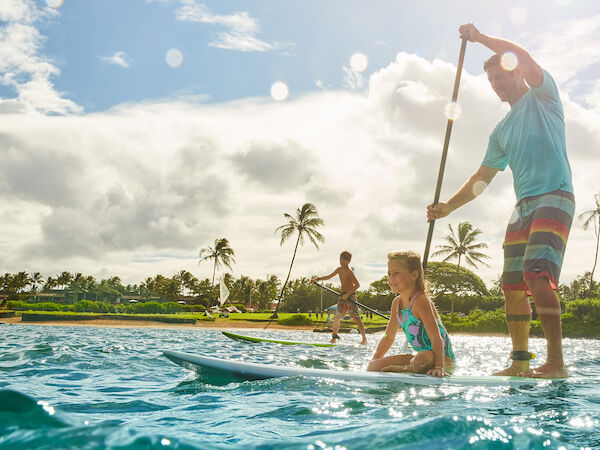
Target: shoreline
<point>218,324</point>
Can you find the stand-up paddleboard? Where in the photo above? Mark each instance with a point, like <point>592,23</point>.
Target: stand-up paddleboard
<point>252,371</point>
<point>239,337</point>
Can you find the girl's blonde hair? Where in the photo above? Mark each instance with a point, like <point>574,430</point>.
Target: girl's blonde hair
<point>411,261</point>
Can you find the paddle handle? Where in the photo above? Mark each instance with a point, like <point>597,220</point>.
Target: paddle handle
<point>438,188</point>
<point>333,291</point>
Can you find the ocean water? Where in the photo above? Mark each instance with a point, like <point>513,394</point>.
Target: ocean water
<point>87,387</point>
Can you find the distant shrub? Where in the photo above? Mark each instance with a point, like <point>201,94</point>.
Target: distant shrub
<point>296,319</point>
<point>171,307</point>
<point>241,307</point>
<point>86,306</point>
<point>146,308</point>
<point>582,308</point>
<point>18,305</point>
<point>194,308</point>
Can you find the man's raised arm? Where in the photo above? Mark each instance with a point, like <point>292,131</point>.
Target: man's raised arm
<point>530,69</point>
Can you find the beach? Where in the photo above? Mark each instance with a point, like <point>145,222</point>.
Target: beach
<point>218,324</point>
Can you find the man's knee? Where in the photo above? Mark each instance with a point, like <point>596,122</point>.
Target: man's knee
<point>539,286</point>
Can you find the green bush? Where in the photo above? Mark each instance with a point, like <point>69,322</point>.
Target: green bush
<point>477,321</point>
<point>296,319</point>
<point>86,306</point>
<point>18,305</point>
<point>241,307</point>
<point>146,308</point>
<point>194,308</point>
<point>582,308</point>
<point>172,307</point>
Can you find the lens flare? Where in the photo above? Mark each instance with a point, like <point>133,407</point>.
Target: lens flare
<point>359,62</point>
<point>54,3</point>
<point>452,110</point>
<point>174,58</point>
<point>279,91</point>
<point>518,15</point>
<point>479,187</point>
<point>509,61</point>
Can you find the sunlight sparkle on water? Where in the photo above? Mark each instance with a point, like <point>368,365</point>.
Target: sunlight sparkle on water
<point>509,61</point>
<point>452,110</point>
<point>174,58</point>
<point>359,62</point>
<point>279,91</point>
<point>54,3</point>
<point>518,15</point>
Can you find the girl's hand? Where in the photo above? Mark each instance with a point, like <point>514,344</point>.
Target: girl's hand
<point>438,372</point>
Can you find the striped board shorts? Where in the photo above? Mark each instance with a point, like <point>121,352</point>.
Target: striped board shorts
<point>536,238</point>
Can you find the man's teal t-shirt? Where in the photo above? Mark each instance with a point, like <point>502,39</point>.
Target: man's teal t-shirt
<point>531,140</point>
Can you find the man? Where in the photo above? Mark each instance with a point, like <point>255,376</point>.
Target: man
<point>531,140</point>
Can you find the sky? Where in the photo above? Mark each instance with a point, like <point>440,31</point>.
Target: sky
<point>133,134</point>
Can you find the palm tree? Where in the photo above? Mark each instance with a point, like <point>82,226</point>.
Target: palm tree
<point>222,253</point>
<point>187,279</point>
<point>20,281</point>
<point>305,223</point>
<point>35,280</point>
<point>64,279</point>
<point>462,243</point>
<point>592,216</point>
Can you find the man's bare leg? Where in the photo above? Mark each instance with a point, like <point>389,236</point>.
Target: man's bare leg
<point>548,310</point>
<point>518,320</point>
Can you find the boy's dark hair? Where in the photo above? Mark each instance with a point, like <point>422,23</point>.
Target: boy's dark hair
<point>492,61</point>
<point>346,256</point>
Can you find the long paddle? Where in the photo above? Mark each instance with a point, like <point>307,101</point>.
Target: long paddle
<point>438,188</point>
<point>333,291</point>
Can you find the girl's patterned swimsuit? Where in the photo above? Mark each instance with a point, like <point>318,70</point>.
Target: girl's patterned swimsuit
<point>415,331</point>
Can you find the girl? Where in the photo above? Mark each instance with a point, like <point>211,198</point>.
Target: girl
<point>417,315</point>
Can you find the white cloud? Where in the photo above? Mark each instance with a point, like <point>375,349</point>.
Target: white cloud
<point>119,59</point>
<point>23,67</point>
<point>137,190</point>
<point>567,49</point>
<point>241,28</point>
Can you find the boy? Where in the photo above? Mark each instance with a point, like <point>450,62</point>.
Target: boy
<point>347,302</point>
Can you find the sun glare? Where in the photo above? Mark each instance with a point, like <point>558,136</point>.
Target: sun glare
<point>359,62</point>
<point>174,58</point>
<point>479,187</point>
<point>518,15</point>
<point>279,91</point>
<point>509,61</point>
<point>452,111</point>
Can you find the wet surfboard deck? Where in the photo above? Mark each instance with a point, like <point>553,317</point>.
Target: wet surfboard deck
<point>253,371</point>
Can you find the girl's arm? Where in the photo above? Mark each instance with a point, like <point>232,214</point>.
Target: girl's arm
<point>390,332</point>
<point>423,309</point>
